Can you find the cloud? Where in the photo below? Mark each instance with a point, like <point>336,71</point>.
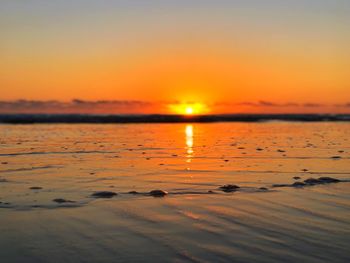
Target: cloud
<point>120,103</point>
<point>312,105</point>
<point>263,106</point>
<point>144,107</point>
<point>291,104</point>
<point>345,105</point>
<point>268,103</point>
<point>74,106</point>
<point>263,103</point>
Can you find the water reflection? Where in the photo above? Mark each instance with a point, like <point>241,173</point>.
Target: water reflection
<point>189,142</point>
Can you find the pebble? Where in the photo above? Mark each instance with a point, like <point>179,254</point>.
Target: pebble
<point>35,188</point>
<point>321,180</point>
<point>158,193</point>
<point>328,180</point>
<point>104,194</point>
<point>310,182</point>
<point>336,157</point>
<point>298,184</point>
<point>61,201</point>
<point>281,185</point>
<point>229,188</point>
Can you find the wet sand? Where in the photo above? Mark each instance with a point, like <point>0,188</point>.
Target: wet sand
<point>49,173</point>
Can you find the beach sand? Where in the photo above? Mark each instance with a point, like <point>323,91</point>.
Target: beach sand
<point>196,221</point>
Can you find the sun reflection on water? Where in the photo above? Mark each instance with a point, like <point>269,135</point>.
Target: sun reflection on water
<point>189,142</point>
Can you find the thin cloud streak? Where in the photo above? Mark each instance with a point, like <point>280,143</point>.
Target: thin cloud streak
<point>146,107</point>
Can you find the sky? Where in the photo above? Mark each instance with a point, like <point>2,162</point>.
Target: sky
<point>137,56</point>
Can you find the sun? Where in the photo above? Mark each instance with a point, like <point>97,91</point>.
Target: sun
<point>189,110</point>
<point>192,108</point>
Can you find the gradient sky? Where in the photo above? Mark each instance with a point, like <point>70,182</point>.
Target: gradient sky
<point>217,52</point>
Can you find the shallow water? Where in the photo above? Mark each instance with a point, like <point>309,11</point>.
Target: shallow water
<point>196,221</point>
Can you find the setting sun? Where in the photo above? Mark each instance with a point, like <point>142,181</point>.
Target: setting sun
<point>189,108</point>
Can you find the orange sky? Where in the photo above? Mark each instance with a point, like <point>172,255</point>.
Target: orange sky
<point>223,54</point>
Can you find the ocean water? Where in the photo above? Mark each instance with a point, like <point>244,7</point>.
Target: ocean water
<point>196,221</point>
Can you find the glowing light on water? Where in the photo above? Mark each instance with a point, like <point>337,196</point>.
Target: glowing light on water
<point>189,142</point>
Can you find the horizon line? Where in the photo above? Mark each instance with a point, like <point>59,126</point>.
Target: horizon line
<point>166,118</point>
